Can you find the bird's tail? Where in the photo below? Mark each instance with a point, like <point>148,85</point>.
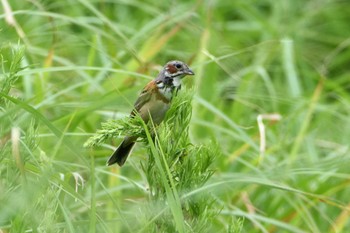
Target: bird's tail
<point>121,154</point>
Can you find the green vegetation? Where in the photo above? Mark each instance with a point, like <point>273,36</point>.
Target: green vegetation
<point>70,68</point>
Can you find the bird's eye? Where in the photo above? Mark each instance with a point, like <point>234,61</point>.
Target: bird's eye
<point>178,65</point>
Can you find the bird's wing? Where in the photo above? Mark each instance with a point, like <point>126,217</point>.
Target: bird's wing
<point>144,97</point>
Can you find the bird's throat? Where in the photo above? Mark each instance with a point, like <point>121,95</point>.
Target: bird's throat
<point>177,82</point>
<point>167,89</point>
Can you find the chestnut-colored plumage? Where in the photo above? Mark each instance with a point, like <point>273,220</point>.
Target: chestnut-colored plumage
<point>154,101</point>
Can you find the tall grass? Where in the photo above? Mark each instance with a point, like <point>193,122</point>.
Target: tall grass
<point>68,66</point>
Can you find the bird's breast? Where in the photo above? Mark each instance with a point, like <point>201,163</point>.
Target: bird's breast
<point>156,108</point>
<point>167,92</point>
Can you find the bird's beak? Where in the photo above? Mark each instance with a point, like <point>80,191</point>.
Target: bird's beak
<point>188,71</point>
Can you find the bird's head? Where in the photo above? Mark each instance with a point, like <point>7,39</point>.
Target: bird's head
<point>173,72</point>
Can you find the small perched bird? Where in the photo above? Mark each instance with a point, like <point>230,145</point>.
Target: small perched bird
<point>154,101</point>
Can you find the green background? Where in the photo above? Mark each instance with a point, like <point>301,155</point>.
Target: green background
<point>68,66</point>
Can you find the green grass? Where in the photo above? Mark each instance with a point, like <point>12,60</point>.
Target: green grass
<point>69,66</point>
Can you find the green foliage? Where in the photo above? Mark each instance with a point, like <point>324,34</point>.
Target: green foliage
<point>236,226</point>
<point>18,141</point>
<point>187,167</point>
<point>175,167</point>
<point>115,128</point>
<point>188,163</point>
<point>9,74</point>
<point>67,66</point>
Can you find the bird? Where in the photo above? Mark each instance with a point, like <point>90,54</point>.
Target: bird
<point>153,102</point>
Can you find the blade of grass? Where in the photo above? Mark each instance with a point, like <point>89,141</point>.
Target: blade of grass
<point>171,192</point>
